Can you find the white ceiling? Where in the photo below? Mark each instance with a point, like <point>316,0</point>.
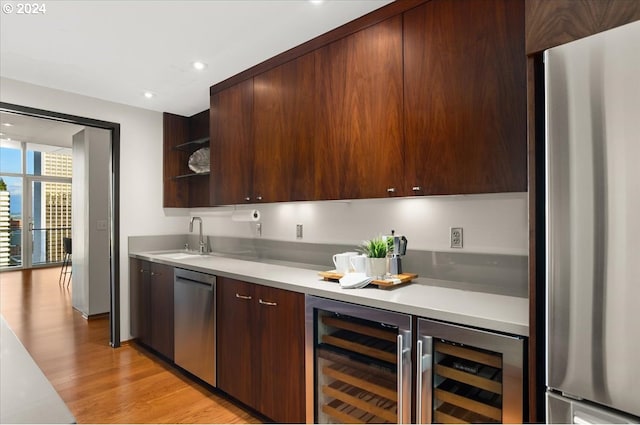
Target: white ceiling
<point>117,50</point>
<point>36,130</point>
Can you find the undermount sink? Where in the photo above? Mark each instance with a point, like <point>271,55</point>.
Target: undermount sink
<point>179,255</point>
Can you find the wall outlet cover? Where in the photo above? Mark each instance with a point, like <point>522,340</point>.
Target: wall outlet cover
<point>455,237</point>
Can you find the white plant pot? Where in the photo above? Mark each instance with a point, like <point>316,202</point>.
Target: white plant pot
<point>376,267</point>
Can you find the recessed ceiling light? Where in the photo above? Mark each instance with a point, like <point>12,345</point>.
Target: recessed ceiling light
<point>7,124</point>
<point>199,65</point>
<point>149,94</point>
<point>316,1</point>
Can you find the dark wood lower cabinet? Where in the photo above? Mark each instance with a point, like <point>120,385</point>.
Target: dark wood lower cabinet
<point>261,348</point>
<point>234,345</point>
<point>151,301</point>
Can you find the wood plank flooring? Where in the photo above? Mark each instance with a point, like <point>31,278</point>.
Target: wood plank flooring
<point>100,384</point>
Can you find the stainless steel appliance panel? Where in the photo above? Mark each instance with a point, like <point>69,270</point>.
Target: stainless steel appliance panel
<point>507,381</point>
<point>194,323</point>
<point>562,410</point>
<point>592,114</point>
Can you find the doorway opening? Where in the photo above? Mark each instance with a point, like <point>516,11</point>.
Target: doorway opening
<point>36,184</point>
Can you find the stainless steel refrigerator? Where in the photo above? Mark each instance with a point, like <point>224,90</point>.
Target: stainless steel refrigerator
<point>592,112</point>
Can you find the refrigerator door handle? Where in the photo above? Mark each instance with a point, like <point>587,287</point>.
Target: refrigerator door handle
<point>424,378</point>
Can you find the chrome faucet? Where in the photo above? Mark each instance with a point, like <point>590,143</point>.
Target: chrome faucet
<point>202,246</point>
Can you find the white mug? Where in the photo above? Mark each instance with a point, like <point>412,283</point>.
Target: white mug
<point>341,261</point>
<point>358,263</point>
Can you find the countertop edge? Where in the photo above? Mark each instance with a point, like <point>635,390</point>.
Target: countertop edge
<point>475,313</point>
<point>27,394</point>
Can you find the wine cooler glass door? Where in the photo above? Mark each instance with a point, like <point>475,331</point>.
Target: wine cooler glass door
<point>467,375</point>
<point>361,361</point>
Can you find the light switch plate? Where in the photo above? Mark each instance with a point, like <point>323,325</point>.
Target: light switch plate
<point>298,231</point>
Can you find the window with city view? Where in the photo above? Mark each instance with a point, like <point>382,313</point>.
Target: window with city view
<point>35,203</point>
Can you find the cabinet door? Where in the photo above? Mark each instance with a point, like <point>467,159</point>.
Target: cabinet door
<point>161,309</point>
<point>280,354</point>
<point>139,273</point>
<point>232,144</point>
<point>359,148</point>
<point>236,375</point>
<point>284,117</point>
<point>465,97</point>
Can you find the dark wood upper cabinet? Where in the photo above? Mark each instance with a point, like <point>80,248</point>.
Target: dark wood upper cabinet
<point>181,137</point>
<point>551,23</point>
<point>175,130</point>
<point>284,118</point>
<point>358,146</point>
<point>232,144</point>
<point>429,101</point>
<point>465,97</point>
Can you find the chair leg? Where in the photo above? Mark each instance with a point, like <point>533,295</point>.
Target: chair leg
<point>70,273</point>
<point>63,270</point>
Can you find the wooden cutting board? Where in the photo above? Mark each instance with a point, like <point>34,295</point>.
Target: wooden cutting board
<point>393,281</point>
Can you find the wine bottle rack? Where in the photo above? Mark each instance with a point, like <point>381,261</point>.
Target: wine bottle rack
<point>357,373</point>
<point>468,384</point>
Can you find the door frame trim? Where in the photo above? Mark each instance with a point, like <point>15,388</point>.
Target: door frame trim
<point>114,128</point>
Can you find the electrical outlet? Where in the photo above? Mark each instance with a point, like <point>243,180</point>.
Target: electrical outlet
<point>298,231</point>
<point>456,237</point>
<point>259,229</point>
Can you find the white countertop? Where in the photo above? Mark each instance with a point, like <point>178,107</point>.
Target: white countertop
<point>427,298</point>
<point>26,396</point>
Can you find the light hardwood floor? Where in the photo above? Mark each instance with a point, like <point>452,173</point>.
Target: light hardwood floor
<point>100,384</point>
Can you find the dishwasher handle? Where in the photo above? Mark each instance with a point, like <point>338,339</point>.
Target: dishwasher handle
<point>189,276</point>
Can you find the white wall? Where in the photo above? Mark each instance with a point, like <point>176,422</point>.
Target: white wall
<point>141,210</point>
<point>91,207</point>
<point>492,223</point>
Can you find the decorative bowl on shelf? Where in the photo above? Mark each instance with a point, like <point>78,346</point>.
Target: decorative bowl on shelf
<point>199,161</point>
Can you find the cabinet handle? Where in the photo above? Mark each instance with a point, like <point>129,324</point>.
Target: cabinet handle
<point>416,188</point>
<point>400,354</point>
<point>391,190</point>
<point>155,274</point>
<point>263,302</point>
<point>404,374</point>
<point>259,198</point>
<point>243,297</point>
<point>247,198</point>
<point>423,366</point>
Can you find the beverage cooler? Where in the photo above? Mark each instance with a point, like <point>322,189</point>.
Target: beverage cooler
<point>359,369</point>
<point>358,363</point>
<point>467,375</point>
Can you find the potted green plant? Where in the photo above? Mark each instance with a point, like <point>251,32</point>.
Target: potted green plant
<point>376,250</point>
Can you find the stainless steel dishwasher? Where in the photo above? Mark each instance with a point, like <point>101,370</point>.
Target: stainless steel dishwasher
<point>195,323</point>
